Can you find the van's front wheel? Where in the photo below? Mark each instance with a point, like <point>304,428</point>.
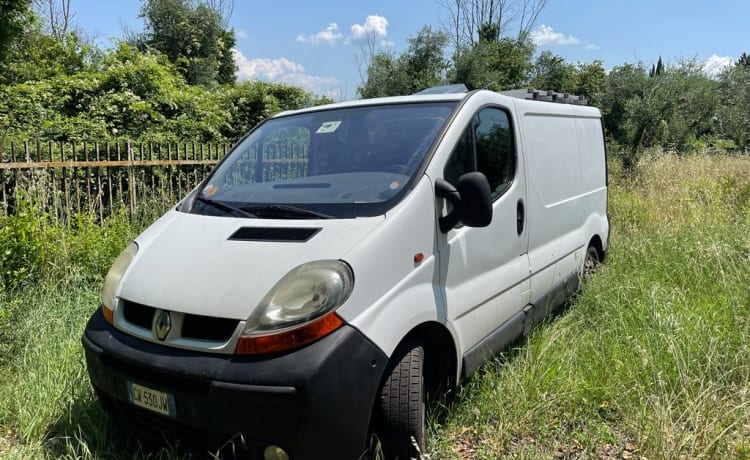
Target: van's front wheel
<point>401,406</point>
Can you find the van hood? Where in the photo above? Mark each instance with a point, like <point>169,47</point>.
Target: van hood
<point>223,266</point>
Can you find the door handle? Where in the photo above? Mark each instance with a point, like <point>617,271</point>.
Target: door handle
<point>520,217</point>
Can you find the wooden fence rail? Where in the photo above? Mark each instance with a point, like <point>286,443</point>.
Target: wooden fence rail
<point>97,178</point>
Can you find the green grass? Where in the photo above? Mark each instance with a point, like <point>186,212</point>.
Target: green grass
<point>652,360</point>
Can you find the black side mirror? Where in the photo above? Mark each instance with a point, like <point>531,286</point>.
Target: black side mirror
<point>471,200</point>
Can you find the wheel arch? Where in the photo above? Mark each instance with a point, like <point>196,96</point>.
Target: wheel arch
<point>596,242</point>
<point>440,352</point>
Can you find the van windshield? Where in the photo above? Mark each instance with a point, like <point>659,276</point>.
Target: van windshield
<point>329,164</point>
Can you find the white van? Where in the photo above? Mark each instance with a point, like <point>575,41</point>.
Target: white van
<point>345,261</point>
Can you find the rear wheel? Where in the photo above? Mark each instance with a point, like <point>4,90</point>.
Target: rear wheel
<point>401,406</point>
<point>590,263</point>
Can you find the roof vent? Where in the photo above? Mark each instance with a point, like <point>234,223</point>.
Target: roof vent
<point>445,89</point>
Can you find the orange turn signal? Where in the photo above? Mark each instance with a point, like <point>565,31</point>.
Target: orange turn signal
<point>290,339</point>
<point>109,315</point>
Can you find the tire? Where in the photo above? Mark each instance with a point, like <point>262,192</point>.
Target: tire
<point>401,406</point>
<point>590,263</point>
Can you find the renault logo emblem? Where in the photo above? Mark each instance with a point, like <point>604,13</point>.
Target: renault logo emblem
<point>163,325</point>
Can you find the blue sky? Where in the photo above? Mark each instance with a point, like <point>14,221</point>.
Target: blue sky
<point>317,44</point>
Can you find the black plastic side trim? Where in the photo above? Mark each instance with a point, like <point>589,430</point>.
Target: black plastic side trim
<point>274,234</point>
<point>551,300</point>
<point>230,391</point>
<point>495,341</point>
<point>519,324</point>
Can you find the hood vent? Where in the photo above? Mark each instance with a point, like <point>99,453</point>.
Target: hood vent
<point>274,234</point>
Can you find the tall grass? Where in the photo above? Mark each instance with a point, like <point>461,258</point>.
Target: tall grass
<point>652,360</point>
<point>50,277</point>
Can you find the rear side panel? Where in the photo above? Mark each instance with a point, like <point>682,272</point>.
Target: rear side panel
<point>567,192</point>
<point>593,165</point>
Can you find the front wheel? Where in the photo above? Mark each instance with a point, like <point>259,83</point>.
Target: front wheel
<point>401,406</point>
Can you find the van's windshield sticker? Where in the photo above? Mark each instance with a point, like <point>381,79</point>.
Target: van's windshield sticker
<point>210,190</point>
<point>328,127</point>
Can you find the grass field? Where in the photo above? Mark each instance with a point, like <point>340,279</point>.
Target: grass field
<point>652,360</point>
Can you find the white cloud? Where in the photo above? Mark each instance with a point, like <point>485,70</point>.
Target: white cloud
<point>329,36</point>
<point>285,71</point>
<point>593,47</point>
<point>240,33</point>
<point>264,69</point>
<point>715,65</point>
<point>546,35</point>
<point>375,28</point>
<point>321,86</point>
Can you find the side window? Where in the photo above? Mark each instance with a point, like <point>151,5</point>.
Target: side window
<point>462,158</point>
<point>486,146</point>
<point>495,151</point>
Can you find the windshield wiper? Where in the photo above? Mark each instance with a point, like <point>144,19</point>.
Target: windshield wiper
<point>285,211</point>
<point>225,207</point>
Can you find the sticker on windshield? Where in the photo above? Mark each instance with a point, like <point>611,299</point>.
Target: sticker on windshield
<point>394,185</point>
<point>328,127</point>
<point>210,190</point>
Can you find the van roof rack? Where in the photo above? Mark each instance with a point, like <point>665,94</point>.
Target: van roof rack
<point>547,96</point>
<point>445,89</point>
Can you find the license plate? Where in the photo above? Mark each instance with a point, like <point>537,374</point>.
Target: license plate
<point>153,400</point>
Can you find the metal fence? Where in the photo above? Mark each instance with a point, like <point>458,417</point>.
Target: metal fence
<point>97,178</point>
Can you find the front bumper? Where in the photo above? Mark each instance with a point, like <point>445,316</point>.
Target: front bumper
<point>314,402</point>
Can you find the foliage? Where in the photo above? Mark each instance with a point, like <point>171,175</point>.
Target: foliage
<point>472,21</point>
<point>26,246</point>
<point>551,72</point>
<point>676,108</point>
<point>734,112</point>
<point>139,96</point>
<point>591,80</point>
<point>13,16</point>
<point>495,64</point>
<point>421,66</point>
<point>192,36</point>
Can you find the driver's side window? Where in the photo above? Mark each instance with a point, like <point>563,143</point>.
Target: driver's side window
<point>487,146</point>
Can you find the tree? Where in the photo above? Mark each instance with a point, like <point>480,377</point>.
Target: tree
<point>622,84</point>
<point>14,15</point>
<point>490,38</point>
<point>59,17</point>
<point>674,110</point>
<point>193,36</point>
<point>226,72</point>
<point>591,79</point>
<point>467,19</point>
<point>551,72</point>
<point>421,66</point>
<point>493,64</point>
<point>744,61</point>
<point>734,113</point>
<point>37,56</point>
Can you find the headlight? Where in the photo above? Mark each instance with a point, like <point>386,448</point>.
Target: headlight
<point>298,309</point>
<point>114,275</point>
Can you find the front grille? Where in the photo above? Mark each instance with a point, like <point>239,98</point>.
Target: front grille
<point>196,327</point>
<point>208,328</point>
<point>140,315</point>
